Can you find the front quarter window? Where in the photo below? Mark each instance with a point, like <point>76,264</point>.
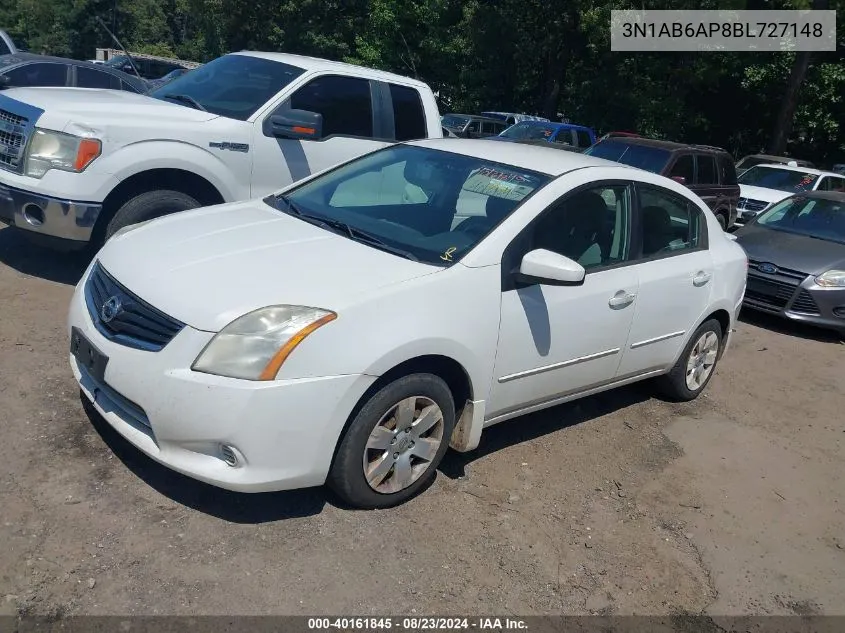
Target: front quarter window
<point>428,205</point>
<point>233,86</point>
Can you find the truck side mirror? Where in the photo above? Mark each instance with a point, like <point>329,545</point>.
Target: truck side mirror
<point>296,124</point>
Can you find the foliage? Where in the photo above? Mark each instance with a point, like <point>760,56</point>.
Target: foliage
<point>536,56</point>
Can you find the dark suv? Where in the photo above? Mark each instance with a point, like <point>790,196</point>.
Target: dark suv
<point>472,126</point>
<point>708,171</point>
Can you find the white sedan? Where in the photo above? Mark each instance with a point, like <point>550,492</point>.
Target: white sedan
<point>351,328</point>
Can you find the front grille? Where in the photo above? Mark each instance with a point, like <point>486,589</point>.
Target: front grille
<point>804,304</point>
<point>774,294</point>
<point>748,204</point>
<point>788,275</point>
<point>135,323</point>
<point>13,139</point>
<point>11,117</point>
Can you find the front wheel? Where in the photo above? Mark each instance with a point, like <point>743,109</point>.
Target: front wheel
<point>695,366</point>
<point>394,444</point>
<point>147,206</point>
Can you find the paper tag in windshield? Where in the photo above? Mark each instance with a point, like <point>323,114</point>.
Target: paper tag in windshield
<point>500,183</point>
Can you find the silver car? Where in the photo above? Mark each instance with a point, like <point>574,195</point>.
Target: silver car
<point>796,259</point>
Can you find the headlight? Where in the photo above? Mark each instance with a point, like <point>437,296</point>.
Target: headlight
<point>56,150</point>
<point>832,279</point>
<point>255,345</point>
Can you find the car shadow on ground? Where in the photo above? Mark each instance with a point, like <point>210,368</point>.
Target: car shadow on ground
<point>534,425</point>
<point>21,254</point>
<point>789,328</point>
<point>230,506</point>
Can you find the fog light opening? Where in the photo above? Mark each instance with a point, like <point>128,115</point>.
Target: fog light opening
<point>229,455</point>
<point>840,312</point>
<point>33,214</point>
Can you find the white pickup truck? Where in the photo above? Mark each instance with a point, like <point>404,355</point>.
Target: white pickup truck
<point>76,165</point>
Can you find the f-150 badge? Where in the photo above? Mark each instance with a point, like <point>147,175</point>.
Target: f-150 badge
<point>235,147</point>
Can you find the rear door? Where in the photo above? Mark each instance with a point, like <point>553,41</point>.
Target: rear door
<point>675,272</point>
<point>706,183</point>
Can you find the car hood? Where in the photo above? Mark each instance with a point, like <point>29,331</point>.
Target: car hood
<point>209,266</point>
<point>761,193</point>
<point>789,250</point>
<point>65,106</point>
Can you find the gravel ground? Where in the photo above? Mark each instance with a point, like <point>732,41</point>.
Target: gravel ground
<point>617,504</point>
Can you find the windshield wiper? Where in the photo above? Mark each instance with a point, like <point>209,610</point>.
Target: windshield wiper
<point>185,99</point>
<point>342,227</point>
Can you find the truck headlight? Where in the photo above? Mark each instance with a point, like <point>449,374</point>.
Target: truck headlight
<point>56,150</point>
<point>254,346</point>
<point>831,279</point>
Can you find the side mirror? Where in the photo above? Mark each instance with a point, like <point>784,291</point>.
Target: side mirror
<point>545,267</point>
<point>296,124</point>
<point>680,179</point>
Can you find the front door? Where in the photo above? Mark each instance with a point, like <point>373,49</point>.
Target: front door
<point>557,340</point>
<point>676,277</point>
<point>349,130</point>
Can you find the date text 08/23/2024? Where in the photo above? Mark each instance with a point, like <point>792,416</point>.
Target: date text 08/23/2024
<point>417,623</point>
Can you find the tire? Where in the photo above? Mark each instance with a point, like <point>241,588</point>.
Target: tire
<point>400,463</point>
<point>148,206</point>
<point>674,385</point>
<point>723,220</point>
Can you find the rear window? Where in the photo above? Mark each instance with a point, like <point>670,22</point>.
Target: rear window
<point>652,159</point>
<point>408,115</point>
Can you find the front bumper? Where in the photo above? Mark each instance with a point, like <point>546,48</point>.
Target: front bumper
<point>45,215</point>
<point>807,302</point>
<point>282,433</point>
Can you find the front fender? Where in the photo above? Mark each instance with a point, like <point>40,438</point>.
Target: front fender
<point>136,158</point>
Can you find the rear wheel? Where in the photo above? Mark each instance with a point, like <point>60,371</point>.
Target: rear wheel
<point>695,366</point>
<point>148,206</point>
<point>394,444</point>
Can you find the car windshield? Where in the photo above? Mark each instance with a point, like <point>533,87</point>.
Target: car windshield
<point>423,204</point>
<point>453,120</point>
<point>770,177</point>
<point>815,217</point>
<point>529,132</point>
<point>652,159</point>
<point>233,86</point>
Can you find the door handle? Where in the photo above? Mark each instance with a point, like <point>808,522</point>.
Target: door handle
<point>701,278</point>
<point>621,299</point>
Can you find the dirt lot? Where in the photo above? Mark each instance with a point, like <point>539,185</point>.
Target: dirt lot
<point>619,504</point>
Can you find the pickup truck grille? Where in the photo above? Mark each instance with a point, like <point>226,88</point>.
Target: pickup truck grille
<point>135,323</point>
<point>748,204</point>
<point>14,133</point>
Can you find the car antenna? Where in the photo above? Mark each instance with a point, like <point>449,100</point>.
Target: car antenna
<point>120,46</point>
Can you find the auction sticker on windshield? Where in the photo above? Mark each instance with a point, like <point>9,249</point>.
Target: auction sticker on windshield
<point>500,183</point>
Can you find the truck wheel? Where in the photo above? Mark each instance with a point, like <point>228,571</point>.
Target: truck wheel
<point>148,206</point>
<point>395,442</point>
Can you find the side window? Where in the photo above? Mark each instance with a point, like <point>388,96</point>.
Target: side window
<point>669,223</point>
<point>408,115</point>
<point>824,184</point>
<point>499,128</point>
<point>387,186</point>
<point>837,184</point>
<point>473,127</point>
<point>583,138</point>
<point>4,48</point>
<point>487,127</point>
<point>683,167</point>
<point>706,170</point>
<point>344,103</point>
<point>90,78</point>
<point>38,75</point>
<point>727,170</point>
<point>564,137</point>
<point>590,226</point>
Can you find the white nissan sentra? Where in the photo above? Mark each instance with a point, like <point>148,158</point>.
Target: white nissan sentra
<point>349,329</point>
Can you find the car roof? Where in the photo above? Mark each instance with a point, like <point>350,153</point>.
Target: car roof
<point>803,170</point>
<point>16,59</point>
<point>317,64</point>
<point>544,160</point>
<point>775,158</point>
<point>670,146</point>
